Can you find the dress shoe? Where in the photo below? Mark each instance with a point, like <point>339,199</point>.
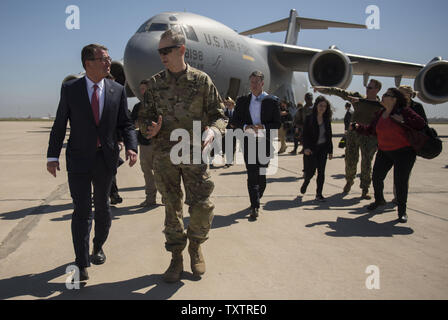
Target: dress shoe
<point>303,187</point>
<point>365,194</point>
<point>115,199</point>
<point>320,198</point>
<point>403,218</point>
<point>254,213</point>
<point>83,274</point>
<point>98,257</point>
<point>376,204</point>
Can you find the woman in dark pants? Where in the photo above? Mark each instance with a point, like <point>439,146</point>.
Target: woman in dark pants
<point>394,149</point>
<point>317,144</point>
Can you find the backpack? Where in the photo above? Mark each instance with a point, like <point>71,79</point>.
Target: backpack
<point>425,142</point>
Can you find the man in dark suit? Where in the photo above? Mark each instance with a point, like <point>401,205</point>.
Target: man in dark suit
<point>257,114</point>
<point>97,110</point>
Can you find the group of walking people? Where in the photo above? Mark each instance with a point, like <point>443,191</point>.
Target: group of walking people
<point>376,126</point>
<point>174,98</point>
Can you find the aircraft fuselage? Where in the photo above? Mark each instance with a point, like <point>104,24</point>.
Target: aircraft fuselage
<point>227,57</point>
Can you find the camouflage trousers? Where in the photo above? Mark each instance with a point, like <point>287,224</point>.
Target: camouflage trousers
<point>146,160</point>
<point>198,188</point>
<point>282,139</point>
<point>368,146</point>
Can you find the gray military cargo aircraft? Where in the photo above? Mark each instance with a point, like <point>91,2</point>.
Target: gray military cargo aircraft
<point>229,58</point>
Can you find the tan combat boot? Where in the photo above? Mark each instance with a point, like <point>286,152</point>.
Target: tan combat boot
<point>172,274</point>
<point>365,194</point>
<point>197,259</point>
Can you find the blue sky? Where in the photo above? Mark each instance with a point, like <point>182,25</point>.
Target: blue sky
<point>38,51</point>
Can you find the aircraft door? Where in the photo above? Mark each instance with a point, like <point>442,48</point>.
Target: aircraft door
<point>234,87</point>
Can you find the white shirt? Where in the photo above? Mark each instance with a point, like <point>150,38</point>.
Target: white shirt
<point>255,108</point>
<point>90,84</point>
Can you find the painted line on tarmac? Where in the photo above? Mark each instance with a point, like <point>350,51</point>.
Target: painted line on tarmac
<point>19,234</point>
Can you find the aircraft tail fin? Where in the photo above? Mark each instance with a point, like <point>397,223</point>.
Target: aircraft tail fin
<point>294,24</point>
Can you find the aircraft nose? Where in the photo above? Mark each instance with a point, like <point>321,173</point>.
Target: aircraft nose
<point>141,59</point>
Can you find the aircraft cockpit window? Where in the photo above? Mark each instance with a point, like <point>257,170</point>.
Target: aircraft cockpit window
<point>144,27</point>
<point>176,27</point>
<point>189,32</point>
<point>158,27</point>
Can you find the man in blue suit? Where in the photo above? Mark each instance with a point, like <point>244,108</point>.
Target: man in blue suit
<point>97,109</point>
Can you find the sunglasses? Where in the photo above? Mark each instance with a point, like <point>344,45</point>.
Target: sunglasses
<point>388,95</point>
<point>167,50</point>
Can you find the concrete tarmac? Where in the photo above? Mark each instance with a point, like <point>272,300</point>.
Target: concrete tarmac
<point>297,249</point>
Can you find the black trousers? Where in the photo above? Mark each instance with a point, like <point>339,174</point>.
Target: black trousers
<point>114,187</point>
<point>81,192</point>
<point>403,161</point>
<point>316,161</point>
<point>256,183</point>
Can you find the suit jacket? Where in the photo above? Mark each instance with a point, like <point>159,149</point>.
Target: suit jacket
<point>270,118</point>
<point>311,134</point>
<point>74,105</point>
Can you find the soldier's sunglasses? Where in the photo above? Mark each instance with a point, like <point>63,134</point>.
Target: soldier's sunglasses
<point>167,50</point>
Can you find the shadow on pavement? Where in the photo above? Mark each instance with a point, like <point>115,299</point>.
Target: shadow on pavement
<point>39,286</point>
<point>336,200</point>
<point>224,221</point>
<point>37,210</point>
<point>363,227</point>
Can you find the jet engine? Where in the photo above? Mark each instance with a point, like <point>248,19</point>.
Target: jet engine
<point>432,82</point>
<point>117,71</point>
<point>330,68</point>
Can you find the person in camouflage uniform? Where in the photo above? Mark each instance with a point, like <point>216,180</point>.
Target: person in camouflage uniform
<point>299,119</point>
<point>175,98</point>
<point>363,113</point>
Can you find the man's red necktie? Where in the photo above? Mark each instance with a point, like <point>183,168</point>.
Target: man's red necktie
<point>96,109</point>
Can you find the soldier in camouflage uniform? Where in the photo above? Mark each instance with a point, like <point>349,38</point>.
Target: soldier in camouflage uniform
<point>299,120</point>
<point>363,113</point>
<point>175,98</point>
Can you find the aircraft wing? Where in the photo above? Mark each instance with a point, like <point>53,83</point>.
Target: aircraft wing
<point>304,23</point>
<point>299,59</point>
